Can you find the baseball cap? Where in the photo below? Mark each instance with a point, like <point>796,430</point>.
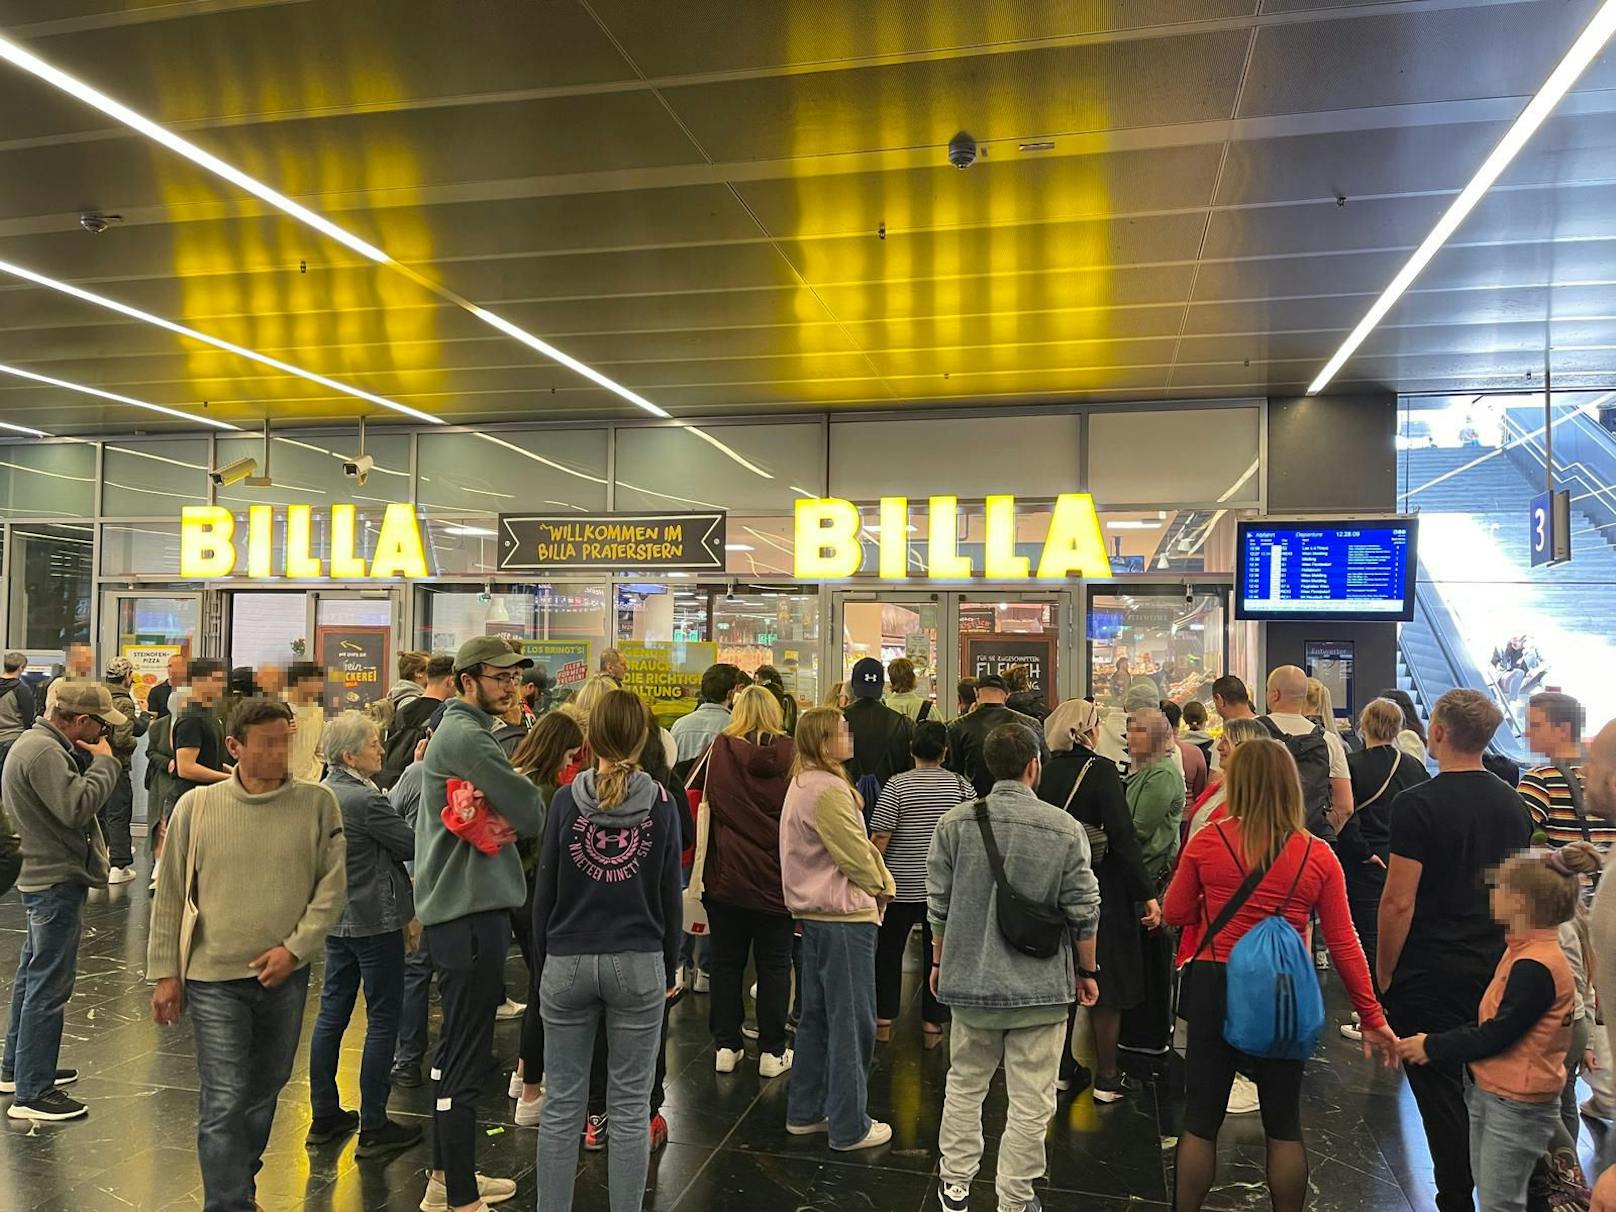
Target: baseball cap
<point>88,698</point>
<point>867,679</point>
<point>489,650</point>
<point>119,669</point>
<point>992,681</point>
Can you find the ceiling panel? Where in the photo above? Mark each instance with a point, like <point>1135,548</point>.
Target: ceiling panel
<point>358,54</point>
<point>912,104</point>
<point>1428,55</point>
<point>1028,188</point>
<point>716,35</point>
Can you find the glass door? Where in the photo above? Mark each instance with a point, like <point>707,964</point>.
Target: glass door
<point>1172,636</point>
<point>354,639</point>
<point>146,629</point>
<point>892,625</point>
<point>1020,638</point>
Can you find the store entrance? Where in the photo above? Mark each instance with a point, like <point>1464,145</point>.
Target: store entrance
<point>950,635</point>
<point>351,634</point>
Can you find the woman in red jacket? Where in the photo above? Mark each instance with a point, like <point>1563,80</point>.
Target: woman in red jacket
<point>1263,828</point>
<point>747,772</point>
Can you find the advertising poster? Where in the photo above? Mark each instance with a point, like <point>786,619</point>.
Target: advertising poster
<point>568,661</point>
<point>151,666</point>
<point>996,653</point>
<point>355,660</point>
<point>667,675</point>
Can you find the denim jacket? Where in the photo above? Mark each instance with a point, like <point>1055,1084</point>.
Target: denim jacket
<point>1046,859</point>
<point>379,841</point>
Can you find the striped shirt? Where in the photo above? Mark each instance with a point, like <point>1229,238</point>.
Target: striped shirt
<point>909,807</point>
<point>1548,797</point>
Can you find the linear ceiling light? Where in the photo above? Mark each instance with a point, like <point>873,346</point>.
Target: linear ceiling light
<point>32,433</point>
<point>113,396</point>
<point>135,313</point>
<point>1583,52</point>
<point>29,62</point>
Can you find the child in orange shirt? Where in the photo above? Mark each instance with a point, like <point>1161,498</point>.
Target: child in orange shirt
<point>1516,1052</point>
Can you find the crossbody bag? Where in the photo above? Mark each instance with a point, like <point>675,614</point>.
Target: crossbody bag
<point>1028,927</point>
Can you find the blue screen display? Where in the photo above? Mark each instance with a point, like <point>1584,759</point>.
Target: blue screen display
<point>1290,570</point>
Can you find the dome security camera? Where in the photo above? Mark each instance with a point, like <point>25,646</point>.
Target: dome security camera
<point>962,150</point>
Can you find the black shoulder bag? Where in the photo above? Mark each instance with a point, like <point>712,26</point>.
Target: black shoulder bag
<point>1028,927</point>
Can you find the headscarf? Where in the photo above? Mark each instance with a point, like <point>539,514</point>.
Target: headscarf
<point>1069,722</point>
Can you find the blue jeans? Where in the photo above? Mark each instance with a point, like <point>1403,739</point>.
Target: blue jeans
<point>836,1036</point>
<point>1506,1139</point>
<point>246,1037</point>
<point>45,972</point>
<point>631,989</point>
<point>412,1017</point>
<point>377,961</point>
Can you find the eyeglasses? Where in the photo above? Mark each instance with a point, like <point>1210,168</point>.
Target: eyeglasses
<point>508,678</point>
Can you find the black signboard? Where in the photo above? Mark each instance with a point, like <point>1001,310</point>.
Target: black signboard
<point>996,653</point>
<point>539,542</point>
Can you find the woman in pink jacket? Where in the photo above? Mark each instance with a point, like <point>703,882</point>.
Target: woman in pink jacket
<point>837,886</point>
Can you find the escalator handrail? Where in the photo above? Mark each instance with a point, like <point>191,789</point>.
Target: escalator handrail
<point>1461,670</point>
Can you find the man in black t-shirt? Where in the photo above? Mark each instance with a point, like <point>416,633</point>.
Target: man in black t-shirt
<point>1438,942</point>
<point>198,738</point>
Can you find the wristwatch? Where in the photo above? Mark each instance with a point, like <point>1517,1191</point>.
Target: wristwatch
<point>1088,974</point>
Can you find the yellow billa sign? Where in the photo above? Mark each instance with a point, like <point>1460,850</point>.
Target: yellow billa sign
<point>209,548</point>
<point>828,547</point>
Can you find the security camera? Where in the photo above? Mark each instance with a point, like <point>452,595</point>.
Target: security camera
<point>962,150</point>
<point>233,473</point>
<point>95,222</point>
<point>358,467</point>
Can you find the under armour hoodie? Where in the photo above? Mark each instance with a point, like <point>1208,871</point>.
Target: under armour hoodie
<point>608,878</point>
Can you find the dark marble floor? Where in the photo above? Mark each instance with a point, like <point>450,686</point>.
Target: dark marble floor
<point>727,1138</point>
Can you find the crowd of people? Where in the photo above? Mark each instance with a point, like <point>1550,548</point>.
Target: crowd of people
<point>1177,875</point>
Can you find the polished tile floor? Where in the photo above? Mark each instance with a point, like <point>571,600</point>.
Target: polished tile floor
<point>728,1146</point>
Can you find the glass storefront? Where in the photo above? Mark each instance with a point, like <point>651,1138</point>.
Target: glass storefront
<point>1176,638</point>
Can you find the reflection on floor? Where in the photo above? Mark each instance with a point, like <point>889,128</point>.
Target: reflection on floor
<point>728,1144</point>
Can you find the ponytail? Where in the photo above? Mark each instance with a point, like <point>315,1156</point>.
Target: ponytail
<point>617,733</point>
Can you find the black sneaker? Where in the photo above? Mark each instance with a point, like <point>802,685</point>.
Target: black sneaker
<point>1075,1077</point>
<point>64,1077</point>
<point>51,1105</point>
<point>391,1137</point>
<point>325,1128</point>
<point>408,1076</point>
<point>1111,1089</point>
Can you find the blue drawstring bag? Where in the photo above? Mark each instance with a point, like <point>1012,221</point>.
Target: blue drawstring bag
<point>1274,1008</point>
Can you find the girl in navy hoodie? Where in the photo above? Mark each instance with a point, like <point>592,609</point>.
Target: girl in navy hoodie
<point>607,920</point>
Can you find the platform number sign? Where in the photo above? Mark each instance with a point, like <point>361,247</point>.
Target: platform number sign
<point>1550,528</point>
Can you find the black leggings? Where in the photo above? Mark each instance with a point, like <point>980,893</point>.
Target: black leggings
<point>1209,1069</point>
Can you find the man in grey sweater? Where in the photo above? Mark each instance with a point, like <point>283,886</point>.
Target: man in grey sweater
<point>1009,1007</point>
<point>54,806</point>
<point>263,857</point>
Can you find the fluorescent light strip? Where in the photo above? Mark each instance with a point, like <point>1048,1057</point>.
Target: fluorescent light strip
<point>31,63</point>
<point>1583,52</point>
<point>32,433</point>
<point>111,395</point>
<point>734,454</point>
<point>135,313</point>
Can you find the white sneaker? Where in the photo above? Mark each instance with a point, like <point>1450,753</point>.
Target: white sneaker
<point>727,1059</point>
<point>152,887</point>
<point>770,1065</point>
<point>510,1010</point>
<point>491,1190</point>
<point>121,875</point>
<point>700,983</point>
<point>879,1134</point>
<point>1242,1095</point>
<point>514,1090</point>
<point>754,991</point>
<point>748,1030</point>
<point>528,1113</point>
<point>1351,1031</point>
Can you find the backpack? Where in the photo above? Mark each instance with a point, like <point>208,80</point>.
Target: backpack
<point>402,739</point>
<point>1311,752</point>
<point>1273,1007</point>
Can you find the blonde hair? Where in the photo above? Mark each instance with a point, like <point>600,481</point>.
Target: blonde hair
<point>833,696</point>
<point>617,733</point>
<point>1264,793</point>
<point>1322,704</point>
<point>1380,722</point>
<point>1547,881</point>
<point>1238,732</point>
<point>588,696</point>
<point>818,730</point>
<point>755,713</point>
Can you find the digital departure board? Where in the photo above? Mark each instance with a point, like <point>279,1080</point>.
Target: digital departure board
<point>1298,571</point>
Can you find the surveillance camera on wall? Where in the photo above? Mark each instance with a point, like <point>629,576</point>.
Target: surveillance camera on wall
<point>358,467</point>
<point>233,473</point>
